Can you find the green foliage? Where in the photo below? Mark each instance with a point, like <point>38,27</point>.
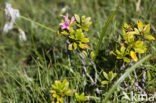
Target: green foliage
<point>144,31</point>
<point>105,28</point>
<point>60,90</point>
<point>122,78</point>
<point>84,22</point>
<point>76,31</point>
<point>26,71</point>
<point>80,98</point>
<point>109,77</point>
<point>133,41</point>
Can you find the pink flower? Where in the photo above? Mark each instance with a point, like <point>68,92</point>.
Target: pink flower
<point>66,24</point>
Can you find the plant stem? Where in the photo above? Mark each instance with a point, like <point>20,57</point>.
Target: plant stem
<point>37,23</point>
<point>144,73</point>
<point>86,73</point>
<point>94,65</point>
<point>105,28</point>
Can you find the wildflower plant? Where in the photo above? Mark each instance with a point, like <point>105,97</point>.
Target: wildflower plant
<point>80,98</point>
<point>109,77</point>
<point>60,90</point>
<point>74,31</point>
<point>133,41</point>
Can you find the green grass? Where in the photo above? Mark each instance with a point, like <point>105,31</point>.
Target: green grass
<point>27,69</point>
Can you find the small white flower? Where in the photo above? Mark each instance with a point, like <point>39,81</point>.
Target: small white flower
<point>11,15</point>
<point>22,36</point>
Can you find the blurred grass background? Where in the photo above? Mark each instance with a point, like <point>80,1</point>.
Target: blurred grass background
<point>24,78</point>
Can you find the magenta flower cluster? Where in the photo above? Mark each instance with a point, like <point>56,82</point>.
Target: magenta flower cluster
<point>66,24</point>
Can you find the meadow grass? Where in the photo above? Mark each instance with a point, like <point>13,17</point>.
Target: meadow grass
<point>27,69</point>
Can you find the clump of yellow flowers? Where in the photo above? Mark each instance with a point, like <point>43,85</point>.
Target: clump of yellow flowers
<point>133,41</point>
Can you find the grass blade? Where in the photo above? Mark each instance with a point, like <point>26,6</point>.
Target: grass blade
<point>105,28</point>
<point>122,78</point>
<point>37,23</point>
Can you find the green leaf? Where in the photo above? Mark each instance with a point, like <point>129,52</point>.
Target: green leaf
<point>143,49</point>
<point>71,25</point>
<point>87,20</point>
<point>122,49</point>
<point>105,29</point>
<point>75,45</point>
<point>140,25</point>
<point>114,75</point>
<point>72,31</point>
<point>149,75</point>
<point>122,78</point>
<point>104,82</point>
<point>119,57</point>
<point>64,33</point>
<point>147,29</point>
<point>68,92</point>
<point>133,55</point>
<point>124,32</point>
<point>92,54</point>
<point>85,28</point>
<point>105,75</point>
<point>80,98</point>
<point>70,47</point>
<point>126,59</point>
<point>138,50</point>
<point>149,37</point>
<point>83,46</point>
<point>85,40</point>
<point>72,37</point>
<point>84,53</point>
<point>136,31</point>
<point>83,18</point>
<point>118,52</point>
<point>110,74</point>
<point>112,52</point>
<point>77,18</point>
<point>79,34</point>
<point>126,25</point>
<point>138,43</point>
<point>130,37</point>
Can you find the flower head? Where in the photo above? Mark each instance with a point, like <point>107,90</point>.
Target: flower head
<point>22,36</point>
<point>11,15</point>
<point>66,24</point>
